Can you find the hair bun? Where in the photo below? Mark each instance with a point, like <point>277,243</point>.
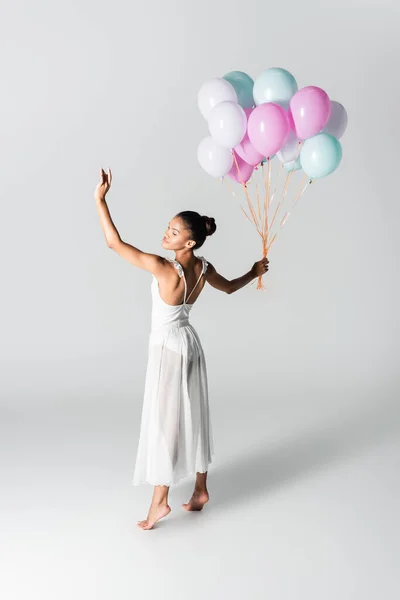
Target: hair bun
<point>210,225</point>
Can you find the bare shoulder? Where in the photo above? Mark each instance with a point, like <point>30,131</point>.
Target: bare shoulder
<point>209,269</point>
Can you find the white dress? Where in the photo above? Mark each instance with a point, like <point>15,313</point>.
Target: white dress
<point>175,437</point>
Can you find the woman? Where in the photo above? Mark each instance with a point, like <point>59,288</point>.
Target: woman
<point>175,434</point>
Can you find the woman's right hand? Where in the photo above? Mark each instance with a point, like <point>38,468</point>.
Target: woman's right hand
<point>104,185</point>
<point>260,267</point>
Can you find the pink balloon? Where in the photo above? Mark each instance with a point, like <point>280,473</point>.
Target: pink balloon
<point>245,149</point>
<point>246,170</point>
<point>310,109</point>
<point>268,128</point>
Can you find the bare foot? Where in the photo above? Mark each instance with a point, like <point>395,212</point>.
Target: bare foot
<point>156,513</point>
<point>197,501</point>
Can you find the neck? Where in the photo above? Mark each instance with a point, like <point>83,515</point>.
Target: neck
<point>185,258</point>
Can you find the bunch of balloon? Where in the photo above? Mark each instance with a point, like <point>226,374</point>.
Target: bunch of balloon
<point>250,122</point>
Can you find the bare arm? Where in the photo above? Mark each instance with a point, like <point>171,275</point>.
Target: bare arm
<point>143,260</point>
<point>110,231</point>
<point>229,286</point>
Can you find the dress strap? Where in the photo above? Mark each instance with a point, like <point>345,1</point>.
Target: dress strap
<point>201,274</point>
<point>177,265</point>
<point>181,273</point>
<point>205,264</point>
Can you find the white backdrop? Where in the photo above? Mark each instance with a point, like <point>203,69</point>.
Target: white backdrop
<point>302,376</point>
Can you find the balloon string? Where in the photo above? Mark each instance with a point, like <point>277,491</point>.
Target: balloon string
<point>284,192</point>
<point>265,231</point>
<point>271,242</point>
<point>260,285</point>
<point>277,180</point>
<point>297,197</point>
<point>265,222</point>
<point>269,182</point>
<point>289,176</point>
<point>267,204</point>
<point>229,187</point>
<point>287,181</point>
<point>265,197</point>
<point>286,216</point>
<point>302,192</point>
<point>298,189</point>
<point>258,202</point>
<point>246,213</point>
<point>233,194</point>
<point>247,196</point>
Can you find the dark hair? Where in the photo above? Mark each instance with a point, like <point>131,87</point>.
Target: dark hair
<point>200,226</point>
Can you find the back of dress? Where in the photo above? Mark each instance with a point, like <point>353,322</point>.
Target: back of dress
<point>165,316</point>
<point>175,434</point>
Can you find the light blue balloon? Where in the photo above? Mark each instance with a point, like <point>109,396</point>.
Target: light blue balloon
<point>320,155</point>
<point>243,85</point>
<point>275,85</point>
<point>293,165</point>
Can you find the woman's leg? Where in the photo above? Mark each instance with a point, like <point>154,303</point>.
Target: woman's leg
<point>159,507</point>
<point>200,495</point>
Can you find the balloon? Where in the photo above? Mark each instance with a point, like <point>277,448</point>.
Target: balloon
<point>310,108</point>
<point>243,85</point>
<point>337,123</point>
<point>293,165</point>
<point>216,161</point>
<point>290,149</point>
<point>227,123</point>
<point>275,85</point>
<point>245,169</point>
<point>246,149</point>
<point>320,155</point>
<point>268,128</point>
<point>213,92</point>
<point>265,159</point>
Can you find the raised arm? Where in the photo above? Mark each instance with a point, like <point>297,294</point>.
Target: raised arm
<point>229,286</point>
<point>143,260</point>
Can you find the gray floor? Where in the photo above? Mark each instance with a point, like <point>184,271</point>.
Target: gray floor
<point>304,504</point>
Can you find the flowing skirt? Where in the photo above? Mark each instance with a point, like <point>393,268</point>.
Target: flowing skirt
<point>175,437</point>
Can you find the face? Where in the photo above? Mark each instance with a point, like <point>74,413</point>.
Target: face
<point>176,236</point>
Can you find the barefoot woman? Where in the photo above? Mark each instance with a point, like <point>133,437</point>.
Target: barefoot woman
<point>175,434</point>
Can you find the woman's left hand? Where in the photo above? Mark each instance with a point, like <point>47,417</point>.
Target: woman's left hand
<point>104,185</point>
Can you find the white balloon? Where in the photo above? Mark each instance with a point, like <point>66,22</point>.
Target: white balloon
<point>337,123</point>
<point>214,159</point>
<point>213,92</point>
<point>290,149</point>
<point>227,123</point>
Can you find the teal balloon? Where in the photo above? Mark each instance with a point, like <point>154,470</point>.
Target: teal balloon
<point>293,165</point>
<point>243,85</point>
<point>275,85</point>
<point>320,155</point>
